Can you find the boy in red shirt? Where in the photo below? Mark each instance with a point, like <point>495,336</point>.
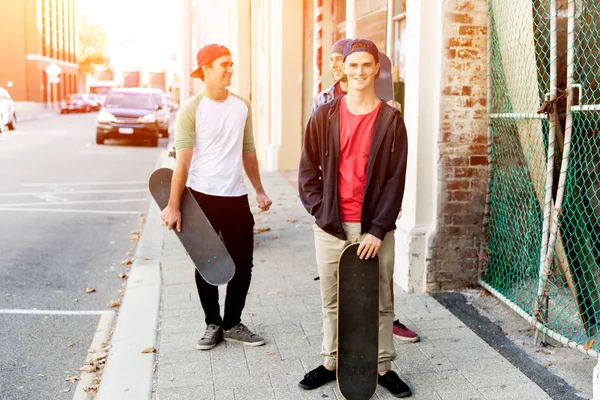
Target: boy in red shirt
<point>340,88</point>
<point>351,179</point>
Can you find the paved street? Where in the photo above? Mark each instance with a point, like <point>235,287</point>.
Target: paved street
<point>68,209</point>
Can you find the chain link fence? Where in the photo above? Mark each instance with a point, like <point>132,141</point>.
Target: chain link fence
<point>542,246</point>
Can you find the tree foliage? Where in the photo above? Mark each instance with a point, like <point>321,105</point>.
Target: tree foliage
<point>92,46</point>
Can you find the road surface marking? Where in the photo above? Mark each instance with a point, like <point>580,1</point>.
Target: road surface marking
<point>85,183</point>
<point>74,192</point>
<point>53,312</point>
<point>64,210</point>
<point>67,202</point>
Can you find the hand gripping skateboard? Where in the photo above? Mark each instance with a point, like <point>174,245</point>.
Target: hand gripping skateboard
<point>202,243</point>
<point>358,325</point>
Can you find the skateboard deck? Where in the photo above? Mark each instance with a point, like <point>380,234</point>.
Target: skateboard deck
<point>358,325</point>
<point>384,84</point>
<point>202,243</point>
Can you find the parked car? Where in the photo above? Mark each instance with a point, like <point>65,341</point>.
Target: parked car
<point>77,102</point>
<point>163,113</point>
<point>130,112</point>
<point>8,115</point>
<point>94,101</point>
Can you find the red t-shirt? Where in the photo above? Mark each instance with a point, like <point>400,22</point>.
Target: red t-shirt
<point>356,132</point>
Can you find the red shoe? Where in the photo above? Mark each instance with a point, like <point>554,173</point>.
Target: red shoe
<point>404,334</point>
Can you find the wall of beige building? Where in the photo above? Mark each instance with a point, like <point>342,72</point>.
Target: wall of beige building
<point>269,69</point>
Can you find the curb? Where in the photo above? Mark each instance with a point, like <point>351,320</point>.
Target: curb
<point>129,373</point>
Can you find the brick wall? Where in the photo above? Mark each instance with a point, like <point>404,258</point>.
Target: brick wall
<point>462,166</point>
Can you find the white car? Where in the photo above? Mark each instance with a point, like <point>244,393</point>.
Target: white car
<point>8,115</point>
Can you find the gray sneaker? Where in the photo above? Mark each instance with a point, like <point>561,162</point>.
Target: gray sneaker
<point>241,334</point>
<point>212,336</point>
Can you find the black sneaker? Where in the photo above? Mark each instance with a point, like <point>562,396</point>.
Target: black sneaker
<point>392,382</point>
<point>317,378</point>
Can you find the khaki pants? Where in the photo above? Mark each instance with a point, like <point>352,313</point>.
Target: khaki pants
<point>328,250</point>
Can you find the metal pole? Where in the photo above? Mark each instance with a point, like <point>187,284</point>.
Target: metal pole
<point>185,62</point>
<point>318,47</point>
<point>490,142</point>
<point>351,19</point>
<point>545,266</point>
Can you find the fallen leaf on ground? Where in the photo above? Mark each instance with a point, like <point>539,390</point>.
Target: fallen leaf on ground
<point>147,258</point>
<point>484,293</point>
<point>548,364</point>
<point>90,388</point>
<point>544,352</point>
<point>99,358</point>
<point>261,230</point>
<point>252,315</point>
<point>113,304</point>
<point>123,275</point>
<point>292,220</point>
<point>274,237</point>
<point>135,236</point>
<point>90,290</point>
<point>149,350</point>
<point>88,368</point>
<point>72,345</point>
<point>128,261</point>
<point>444,377</point>
<point>589,344</point>
<point>72,378</point>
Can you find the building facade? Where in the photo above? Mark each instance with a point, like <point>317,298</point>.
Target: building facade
<point>438,51</point>
<point>33,35</point>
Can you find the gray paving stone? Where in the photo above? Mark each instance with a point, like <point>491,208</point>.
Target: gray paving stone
<point>523,391</point>
<point>291,340</point>
<point>184,374</point>
<point>186,393</point>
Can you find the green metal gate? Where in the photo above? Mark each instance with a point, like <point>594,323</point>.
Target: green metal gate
<point>542,243</point>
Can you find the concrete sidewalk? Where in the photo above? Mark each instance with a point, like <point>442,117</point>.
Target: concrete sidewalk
<point>283,305</point>
<point>29,111</point>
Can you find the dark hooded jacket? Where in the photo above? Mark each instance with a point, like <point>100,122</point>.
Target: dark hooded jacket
<point>386,171</point>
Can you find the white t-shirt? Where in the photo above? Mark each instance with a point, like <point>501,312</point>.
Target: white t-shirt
<point>219,132</point>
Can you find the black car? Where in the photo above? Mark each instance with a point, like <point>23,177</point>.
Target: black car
<point>128,113</point>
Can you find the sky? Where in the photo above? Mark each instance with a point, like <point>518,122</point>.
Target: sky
<point>139,32</point>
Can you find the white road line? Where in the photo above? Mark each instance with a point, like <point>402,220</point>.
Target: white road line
<point>85,183</point>
<point>52,312</point>
<point>64,210</point>
<point>74,192</point>
<point>67,202</point>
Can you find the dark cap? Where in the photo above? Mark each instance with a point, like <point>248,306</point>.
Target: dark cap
<point>364,45</point>
<point>338,47</point>
<point>206,55</point>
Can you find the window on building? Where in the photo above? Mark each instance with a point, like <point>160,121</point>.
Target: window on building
<point>400,44</point>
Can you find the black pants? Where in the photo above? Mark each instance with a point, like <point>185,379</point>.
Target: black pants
<point>232,219</point>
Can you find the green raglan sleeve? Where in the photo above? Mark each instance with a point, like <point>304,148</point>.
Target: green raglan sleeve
<point>185,124</point>
<point>248,132</point>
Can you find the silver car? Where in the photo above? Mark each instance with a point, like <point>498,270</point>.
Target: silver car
<point>8,115</point>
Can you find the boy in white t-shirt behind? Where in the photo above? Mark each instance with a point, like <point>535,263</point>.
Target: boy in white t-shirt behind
<point>213,141</point>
